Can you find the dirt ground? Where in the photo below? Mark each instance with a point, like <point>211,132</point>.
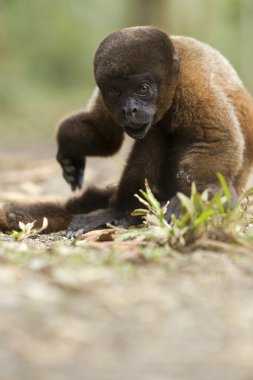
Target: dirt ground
<point>105,312</point>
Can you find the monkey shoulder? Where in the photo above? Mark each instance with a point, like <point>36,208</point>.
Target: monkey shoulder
<point>200,60</point>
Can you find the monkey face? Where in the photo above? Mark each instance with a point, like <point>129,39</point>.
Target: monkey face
<point>131,100</point>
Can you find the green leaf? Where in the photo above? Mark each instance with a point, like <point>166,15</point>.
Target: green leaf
<point>186,203</point>
<point>205,195</point>
<point>140,211</point>
<point>217,200</point>
<point>225,188</point>
<point>193,191</point>
<point>150,197</point>
<point>202,218</point>
<point>180,223</point>
<point>141,200</point>
<point>21,226</point>
<point>129,235</point>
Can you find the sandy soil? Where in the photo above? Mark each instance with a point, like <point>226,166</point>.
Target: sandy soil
<point>108,314</point>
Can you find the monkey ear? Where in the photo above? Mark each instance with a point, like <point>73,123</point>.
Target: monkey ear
<point>176,61</point>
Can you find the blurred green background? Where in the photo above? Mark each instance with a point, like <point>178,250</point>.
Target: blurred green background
<point>47,48</point>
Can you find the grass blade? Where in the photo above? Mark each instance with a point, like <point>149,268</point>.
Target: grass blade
<point>225,188</point>
<point>202,218</point>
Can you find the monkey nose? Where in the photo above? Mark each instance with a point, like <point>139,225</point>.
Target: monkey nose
<point>129,111</point>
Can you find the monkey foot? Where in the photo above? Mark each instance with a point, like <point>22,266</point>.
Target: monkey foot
<point>10,217</point>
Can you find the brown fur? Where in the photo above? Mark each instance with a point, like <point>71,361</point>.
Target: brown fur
<point>203,124</point>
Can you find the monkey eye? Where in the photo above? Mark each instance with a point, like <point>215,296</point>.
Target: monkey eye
<point>114,91</point>
<point>142,89</point>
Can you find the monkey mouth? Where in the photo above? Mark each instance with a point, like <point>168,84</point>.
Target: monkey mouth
<point>137,131</point>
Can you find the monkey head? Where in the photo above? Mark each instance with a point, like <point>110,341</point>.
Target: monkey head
<point>136,70</point>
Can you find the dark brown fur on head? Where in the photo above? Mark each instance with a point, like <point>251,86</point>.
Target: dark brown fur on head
<point>151,51</point>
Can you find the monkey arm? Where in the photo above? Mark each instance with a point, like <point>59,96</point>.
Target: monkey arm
<point>200,164</point>
<point>144,162</point>
<point>100,219</point>
<point>218,146</point>
<point>86,133</point>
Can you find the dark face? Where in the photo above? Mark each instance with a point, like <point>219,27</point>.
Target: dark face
<point>132,102</point>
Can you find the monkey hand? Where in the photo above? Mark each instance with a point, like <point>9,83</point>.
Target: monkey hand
<point>72,167</point>
<point>98,219</point>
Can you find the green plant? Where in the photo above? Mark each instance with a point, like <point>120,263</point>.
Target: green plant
<point>202,217</point>
<point>28,230</point>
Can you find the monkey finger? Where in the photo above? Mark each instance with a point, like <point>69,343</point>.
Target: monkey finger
<point>79,174</point>
<point>64,161</point>
<point>69,169</point>
<point>71,180</point>
<point>72,176</point>
<point>81,224</point>
<point>80,178</point>
<point>75,234</point>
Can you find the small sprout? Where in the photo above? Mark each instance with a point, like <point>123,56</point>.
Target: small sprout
<point>27,230</point>
<point>154,212</point>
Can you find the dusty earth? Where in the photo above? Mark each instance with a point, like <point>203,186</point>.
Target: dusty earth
<point>110,311</point>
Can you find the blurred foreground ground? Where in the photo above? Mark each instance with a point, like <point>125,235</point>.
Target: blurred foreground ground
<point>103,312</point>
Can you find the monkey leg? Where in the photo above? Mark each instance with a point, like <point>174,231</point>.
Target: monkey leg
<point>59,215</point>
<point>13,213</point>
